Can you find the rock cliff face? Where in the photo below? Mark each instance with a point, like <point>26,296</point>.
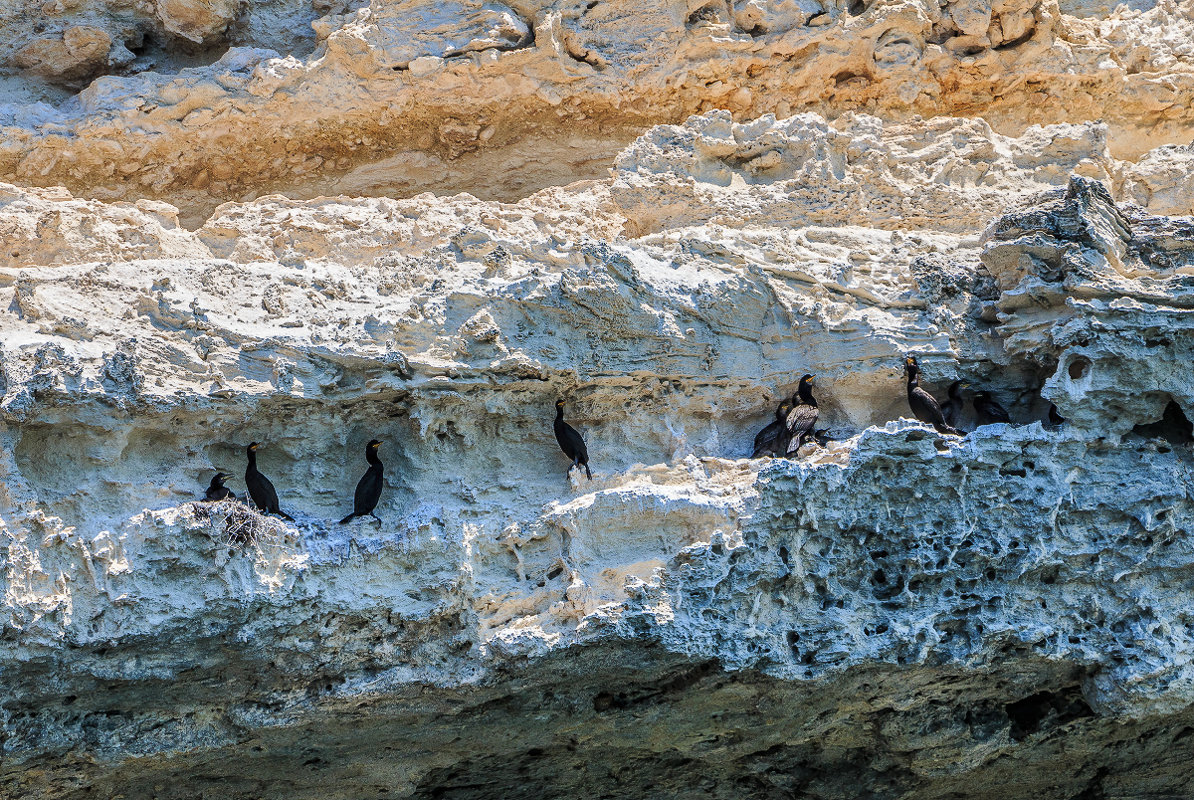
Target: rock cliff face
<point>893,613</point>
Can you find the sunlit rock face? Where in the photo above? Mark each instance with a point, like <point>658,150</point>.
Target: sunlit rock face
<point>229,222</point>
<point>198,102</point>
<point>891,613</point>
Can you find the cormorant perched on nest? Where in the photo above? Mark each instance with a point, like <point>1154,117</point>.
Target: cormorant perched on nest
<point>988,409</point>
<point>773,440</point>
<point>803,415</point>
<point>570,441</point>
<point>369,487</point>
<point>951,409</point>
<point>217,490</point>
<point>924,406</point>
<point>260,489</point>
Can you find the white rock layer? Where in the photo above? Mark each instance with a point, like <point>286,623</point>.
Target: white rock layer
<point>893,614</point>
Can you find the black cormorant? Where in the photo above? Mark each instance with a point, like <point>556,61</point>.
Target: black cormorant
<point>951,409</point>
<point>924,406</point>
<point>773,440</point>
<point>217,490</point>
<point>570,441</point>
<point>369,487</point>
<point>988,409</point>
<point>803,415</point>
<point>260,489</point>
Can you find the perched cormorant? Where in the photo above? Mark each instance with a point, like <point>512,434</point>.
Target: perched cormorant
<point>217,490</point>
<point>1055,417</point>
<point>803,415</point>
<point>951,409</point>
<point>773,440</point>
<point>570,441</point>
<point>988,409</point>
<point>369,487</point>
<point>260,489</point>
<point>924,406</point>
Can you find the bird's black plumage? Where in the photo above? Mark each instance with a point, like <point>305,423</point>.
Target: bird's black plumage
<point>260,489</point>
<point>570,441</point>
<point>803,415</point>
<point>952,408</point>
<point>369,487</point>
<point>773,440</point>
<point>924,406</point>
<point>217,490</point>
<point>989,410</point>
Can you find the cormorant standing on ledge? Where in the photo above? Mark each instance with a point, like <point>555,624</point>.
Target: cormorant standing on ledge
<point>773,440</point>
<point>951,409</point>
<point>803,415</point>
<point>924,406</point>
<point>369,487</point>
<point>260,489</point>
<point>988,409</point>
<point>570,441</point>
<point>217,490</point>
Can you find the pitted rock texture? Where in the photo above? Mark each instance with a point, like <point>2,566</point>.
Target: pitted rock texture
<point>893,614</point>
<point>196,102</point>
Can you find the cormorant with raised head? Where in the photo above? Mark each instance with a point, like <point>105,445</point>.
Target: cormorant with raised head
<point>369,487</point>
<point>951,409</point>
<point>217,490</point>
<point>260,489</point>
<point>570,441</point>
<point>989,410</point>
<point>773,440</point>
<point>803,415</point>
<point>924,406</point>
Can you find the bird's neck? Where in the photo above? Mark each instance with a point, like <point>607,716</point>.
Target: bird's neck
<point>371,457</point>
<point>252,460</point>
<point>806,395</point>
<point>913,379</point>
<point>560,414</point>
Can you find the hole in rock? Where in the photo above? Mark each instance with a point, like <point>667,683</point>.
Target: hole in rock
<point>706,13</point>
<point>1046,710</point>
<point>856,8</point>
<point>1079,368</point>
<point>1173,426</point>
<point>1019,40</point>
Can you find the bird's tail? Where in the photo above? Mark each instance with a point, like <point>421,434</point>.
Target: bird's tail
<point>587,472</point>
<point>949,429</point>
<point>285,516</point>
<point>348,519</point>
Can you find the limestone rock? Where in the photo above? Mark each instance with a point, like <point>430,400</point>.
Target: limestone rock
<point>357,89</point>
<point>197,20</point>
<point>81,50</point>
<point>893,613</point>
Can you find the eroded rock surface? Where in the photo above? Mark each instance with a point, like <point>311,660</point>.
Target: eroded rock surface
<point>894,614</point>
<point>196,102</point>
